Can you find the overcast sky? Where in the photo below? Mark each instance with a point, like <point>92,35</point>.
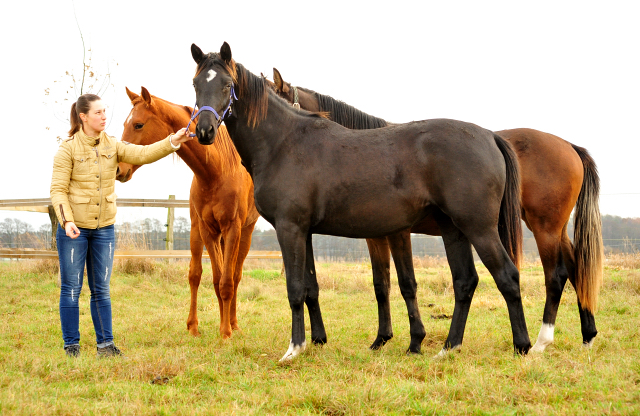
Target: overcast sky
<point>567,68</point>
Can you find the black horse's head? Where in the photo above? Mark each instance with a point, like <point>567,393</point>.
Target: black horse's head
<point>213,82</point>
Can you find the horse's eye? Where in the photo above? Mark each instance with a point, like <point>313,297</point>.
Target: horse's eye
<point>138,126</point>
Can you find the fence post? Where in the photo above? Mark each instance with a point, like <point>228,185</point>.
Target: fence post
<point>169,225</point>
<point>54,227</point>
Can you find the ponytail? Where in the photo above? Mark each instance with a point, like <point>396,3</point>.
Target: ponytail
<point>81,106</point>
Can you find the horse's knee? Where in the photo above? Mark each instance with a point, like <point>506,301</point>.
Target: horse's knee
<point>508,283</point>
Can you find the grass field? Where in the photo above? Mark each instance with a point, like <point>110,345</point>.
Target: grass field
<point>167,371</point>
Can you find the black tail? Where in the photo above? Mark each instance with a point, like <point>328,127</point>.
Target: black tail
<point>509,226</point>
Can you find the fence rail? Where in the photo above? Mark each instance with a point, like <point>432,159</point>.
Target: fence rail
<point>18,204</point>
<point>26,253</point>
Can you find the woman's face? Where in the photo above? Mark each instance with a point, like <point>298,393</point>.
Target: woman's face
<point>95,119</point>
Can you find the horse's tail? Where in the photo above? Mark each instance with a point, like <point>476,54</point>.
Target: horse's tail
<point>587,235</point>
<point>509,226</point>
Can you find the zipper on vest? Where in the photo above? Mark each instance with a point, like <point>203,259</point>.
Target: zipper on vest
<point>99,184</point>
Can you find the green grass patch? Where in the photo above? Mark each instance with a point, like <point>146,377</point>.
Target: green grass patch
<point>167,371</point>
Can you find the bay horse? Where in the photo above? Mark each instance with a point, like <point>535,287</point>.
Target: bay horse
<point>221,206</point>
<point>312,175</point>
<point>556,177</point>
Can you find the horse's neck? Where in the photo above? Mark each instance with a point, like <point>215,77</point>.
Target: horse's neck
<point>258,145</point>
<point>204,161</point>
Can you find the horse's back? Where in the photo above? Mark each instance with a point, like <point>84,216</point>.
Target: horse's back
<point>552,174</point>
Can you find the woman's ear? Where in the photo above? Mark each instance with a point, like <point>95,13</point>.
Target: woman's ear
<point>83,117</point>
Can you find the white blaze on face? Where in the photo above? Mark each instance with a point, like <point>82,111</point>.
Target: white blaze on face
<point>545,337</point>
<point>129,118</point>
<point>211,75</point>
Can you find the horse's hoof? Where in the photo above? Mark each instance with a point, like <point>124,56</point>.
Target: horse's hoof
<point>413,351</point>
<point>588,344</point>
<point>446,352</point>
<point>319,340</point>
<point>293,351</point>
<point>522,350</point>
<point>194,332</point>
<point>380,342</point>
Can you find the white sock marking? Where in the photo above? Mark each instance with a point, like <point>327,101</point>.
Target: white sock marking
<point>444,352</point>
<point>211,75</point>
<point>588,344</point>
<point>293,351</point>
<point>545,337</point>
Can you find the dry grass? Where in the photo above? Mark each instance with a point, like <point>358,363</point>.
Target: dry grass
<point>167,371</point>
<point>626,261</point>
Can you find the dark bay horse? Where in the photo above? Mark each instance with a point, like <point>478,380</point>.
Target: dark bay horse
<point>556,177</point>
<point>312,175</point>
<point>221,206</point>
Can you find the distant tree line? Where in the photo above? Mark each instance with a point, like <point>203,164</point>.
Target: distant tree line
<point>620,235</point>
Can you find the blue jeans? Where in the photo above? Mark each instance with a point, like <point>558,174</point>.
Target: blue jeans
<point>95,248</point>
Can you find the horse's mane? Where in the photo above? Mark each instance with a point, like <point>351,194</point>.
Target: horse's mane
<point>253,91</point>
<point>346,115</point>
<point>222,145</point>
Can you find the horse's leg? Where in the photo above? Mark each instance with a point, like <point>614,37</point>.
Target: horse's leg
<point>400,244</point>
<point>195,273</point>
<point>587,320</point>
<point>226,286</point>
<point>507,278</point>
<point>293,241</point>
<point>318,333</point>
<point>380,265</point>
<point>212,242</point>
<point>465,280</point>
<point>555,278</point>
<point>243,250</point>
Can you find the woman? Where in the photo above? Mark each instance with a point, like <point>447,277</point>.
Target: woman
<point>82,194</point>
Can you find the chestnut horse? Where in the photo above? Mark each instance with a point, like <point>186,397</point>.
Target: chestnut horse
<point>556,177</point>
<point>314,176</point>
<point>220,202</point>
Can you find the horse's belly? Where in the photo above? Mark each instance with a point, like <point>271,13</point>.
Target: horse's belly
<point>368,219</point>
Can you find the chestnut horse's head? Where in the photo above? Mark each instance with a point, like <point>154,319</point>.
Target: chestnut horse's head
<point>144,126</point>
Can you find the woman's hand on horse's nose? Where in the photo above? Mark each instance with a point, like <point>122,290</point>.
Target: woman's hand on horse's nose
<point>180,136</point>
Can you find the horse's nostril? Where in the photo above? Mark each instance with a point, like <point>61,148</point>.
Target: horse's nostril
<point>117,171</point>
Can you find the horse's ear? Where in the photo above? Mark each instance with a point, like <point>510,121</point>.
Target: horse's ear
<point>280,84</point>
<point>132,95</point>
<point>277,79</point>
<point>225,52</point>
<point>146,96</point>
<point>197,53</point>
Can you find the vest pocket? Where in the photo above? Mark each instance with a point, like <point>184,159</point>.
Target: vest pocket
<point>80,207</point>
<point>110,206</point>
<point>81,164</point>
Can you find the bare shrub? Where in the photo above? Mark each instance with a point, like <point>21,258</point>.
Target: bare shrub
<point>48,267</point>
<point>626,261</point>
<point>428,262</point>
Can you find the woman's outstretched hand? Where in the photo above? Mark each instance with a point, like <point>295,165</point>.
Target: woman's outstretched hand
<point>180,136</point>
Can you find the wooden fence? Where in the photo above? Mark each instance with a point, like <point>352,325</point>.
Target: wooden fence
<point>44,205</point>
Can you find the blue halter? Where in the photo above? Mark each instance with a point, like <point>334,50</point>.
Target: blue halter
<point>219,118</point>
